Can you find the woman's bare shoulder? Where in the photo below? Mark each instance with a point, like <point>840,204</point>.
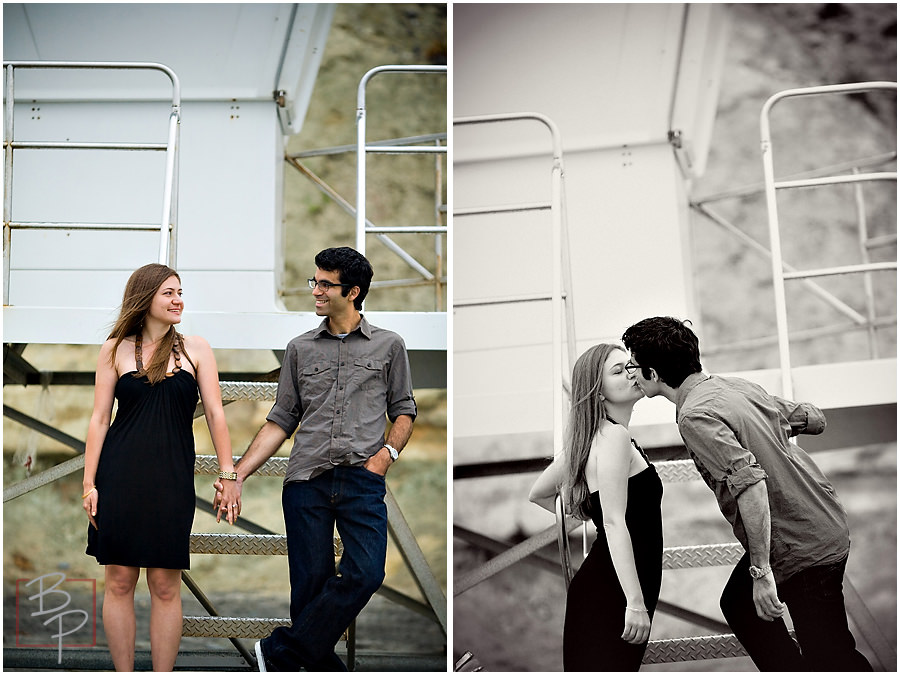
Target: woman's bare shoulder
<point>196,342</point>
<point>611,440</point>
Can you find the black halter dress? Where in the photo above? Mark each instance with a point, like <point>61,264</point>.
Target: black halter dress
<point>595,604</point>
<point>145,477</point>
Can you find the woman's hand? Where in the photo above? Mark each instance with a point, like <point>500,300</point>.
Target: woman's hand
<point>89,504</point>
<point>228,499</point>
<point>637,626</point>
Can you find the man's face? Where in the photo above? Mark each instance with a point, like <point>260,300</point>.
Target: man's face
<point>331,302</point>
<point>650,386</point>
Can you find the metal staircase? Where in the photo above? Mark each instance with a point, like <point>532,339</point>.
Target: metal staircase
<point>260,541</point>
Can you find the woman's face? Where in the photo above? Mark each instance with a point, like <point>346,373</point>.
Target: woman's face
<point>618,385</point>
<point>167,304</point>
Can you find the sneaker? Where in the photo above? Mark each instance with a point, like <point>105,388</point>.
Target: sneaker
<point>260,659</point>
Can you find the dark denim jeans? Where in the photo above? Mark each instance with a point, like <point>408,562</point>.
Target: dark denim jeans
<point>323,604</point>
<point>815,599</point>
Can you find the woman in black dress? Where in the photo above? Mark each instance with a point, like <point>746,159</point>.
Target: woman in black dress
<point>139,471</point>
<point>604,476</point>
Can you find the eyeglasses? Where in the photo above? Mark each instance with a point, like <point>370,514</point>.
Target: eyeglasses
<point>323,285</point>
<point>631,367</point>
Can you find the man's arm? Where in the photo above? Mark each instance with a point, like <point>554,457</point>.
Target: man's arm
<point>397,438</point>
<point>804,418</point>
<point>753,503</point>
<point>265,444</point>
<point>400,432</point>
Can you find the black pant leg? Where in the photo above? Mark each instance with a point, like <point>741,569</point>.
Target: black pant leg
<point>768,643</point>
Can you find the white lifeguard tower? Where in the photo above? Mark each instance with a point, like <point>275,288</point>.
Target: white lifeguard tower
<point>576,153</point>
<point>119,187</point>
<point>139,133</point>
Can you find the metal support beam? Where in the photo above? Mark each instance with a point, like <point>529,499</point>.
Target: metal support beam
<point>539,558</point>
<point>16,370</point>
<point>868,627</point>
<point>415,560</point>
<point>349,209</point>
<point>766,254</point>
<point>43,478</point>
<point>43,428</point>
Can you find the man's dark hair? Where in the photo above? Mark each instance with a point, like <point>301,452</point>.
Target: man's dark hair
<point>665,344</point>
<point>352,267</point>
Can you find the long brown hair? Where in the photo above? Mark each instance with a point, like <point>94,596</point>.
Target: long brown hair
<point>140,290</point>
<point>585,416</point>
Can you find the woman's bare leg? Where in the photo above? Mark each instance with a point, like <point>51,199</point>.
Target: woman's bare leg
<point>165,616</point>
<point>118,614</point>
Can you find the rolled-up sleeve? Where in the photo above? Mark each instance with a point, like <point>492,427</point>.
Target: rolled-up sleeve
<point>400,399</point>
<point>804,418</point>
<point>287,411</point>
<point>724,459</point>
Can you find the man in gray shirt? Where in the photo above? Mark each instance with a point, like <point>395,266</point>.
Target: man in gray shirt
<point>782,509</point>
<point>338,383</point>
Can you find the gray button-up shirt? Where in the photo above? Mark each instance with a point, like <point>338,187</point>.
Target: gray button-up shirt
<point>338,390</point>
<point>738,434</point>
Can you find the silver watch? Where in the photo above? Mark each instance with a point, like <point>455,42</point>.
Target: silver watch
<point>394,453</point>
<point>759,572</point>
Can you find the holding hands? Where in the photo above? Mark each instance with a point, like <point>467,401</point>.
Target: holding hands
<point>228,498</point>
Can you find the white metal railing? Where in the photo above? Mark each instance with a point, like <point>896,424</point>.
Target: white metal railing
<point>168,222</point>
<point>771,188</point>
<point>560,294</point>
<point>395,147</point>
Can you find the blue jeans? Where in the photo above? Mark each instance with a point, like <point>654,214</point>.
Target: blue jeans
<point>323,603</point>
<point>815,599</point>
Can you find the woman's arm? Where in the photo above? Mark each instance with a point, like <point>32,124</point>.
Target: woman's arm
<point>104,395</point>
<point>213,410</point>
<point>543,492</point>
<point>611,456</point>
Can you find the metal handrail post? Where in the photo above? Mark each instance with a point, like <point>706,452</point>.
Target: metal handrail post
<point>8,129</point>
<point>567,282</point>
<point>781,322</point>
<point>556,252</point>
<point>361,148</point>
<point>778,275</point>
<point>562,539</point>
<point>558,299</point>
<point>169,214</point>
<point>438,237</point>
<point>556,211</point>
<point>168,222</point>
<point>862,239</point>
